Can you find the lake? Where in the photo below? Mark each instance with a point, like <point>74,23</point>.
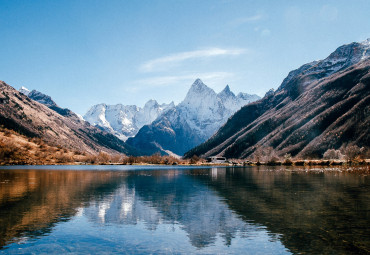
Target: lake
<point>182,210</point>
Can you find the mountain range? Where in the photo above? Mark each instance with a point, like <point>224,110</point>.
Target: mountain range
<point>47,100</point>
<point>319,106</point>
<point>191,122</point>
<point>53,124</point>
<point>125,120</point>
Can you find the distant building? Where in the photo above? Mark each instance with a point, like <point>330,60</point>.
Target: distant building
<point>216,159</point>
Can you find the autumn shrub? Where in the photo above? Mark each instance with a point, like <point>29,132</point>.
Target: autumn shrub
<point>194,159</point>
<point>333,154</point>
<point>116,158</point>
<point>354,153</point>
<point>288,159</point>
<point>28,147</point>
<point>64,158</point>
<point>154,159</point>
<point>91,159</point>
<point>8,150</point>
<point>130,160</point>
<point>265,154</point>
<point>103,158</point>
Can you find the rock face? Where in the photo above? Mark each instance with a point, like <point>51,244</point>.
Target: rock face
<point>24,90</point>
<point>33,119</point>
<point>321,105</point>
<point>46,100</point>
<point>125,120</point>
<point>190,123</point>
<point>342,58</point>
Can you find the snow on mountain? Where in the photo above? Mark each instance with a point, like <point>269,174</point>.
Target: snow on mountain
<point>205,111</point>
<point>48,101</point>
<point>342,58</point>
<point>125,120</point>
<point>38,96</point>
<point>41,98</point>
<point>190,123</point>
<point>319,106</point>
<point>24,90</point>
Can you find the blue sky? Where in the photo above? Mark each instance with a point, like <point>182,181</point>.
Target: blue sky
<point>84,52</point>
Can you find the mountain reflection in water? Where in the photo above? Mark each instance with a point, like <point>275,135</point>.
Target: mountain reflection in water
<point>297,211</point>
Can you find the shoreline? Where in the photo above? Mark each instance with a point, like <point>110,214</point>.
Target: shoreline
<point>314,162</point>
<point>363,168</point>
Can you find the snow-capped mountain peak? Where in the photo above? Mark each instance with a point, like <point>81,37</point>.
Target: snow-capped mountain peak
<point>194,120</point>
<point>125,120</point>
<point>226,91</point>
<point>151,103</point>
<point>343,57</point>
<point>38,96</point>
<point>24,90</point>
<point>42,98</point>
<point>198,83</point>
<point>199,96</point>
<point>198,87</point>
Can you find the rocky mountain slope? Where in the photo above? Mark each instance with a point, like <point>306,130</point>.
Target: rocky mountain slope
<point>190,123</point>
<point>30,118</point>
<point>125,120</point>
<point>46,100</point>
<point>321,105</point>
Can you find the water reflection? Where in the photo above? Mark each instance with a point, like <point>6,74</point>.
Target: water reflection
<point>31,201</point>
<point>170,198</point>
<point>307,212</point>
<point>315,212</point>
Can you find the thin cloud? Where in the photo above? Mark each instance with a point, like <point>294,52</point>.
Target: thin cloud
<point>164,62</point>
<point>241,21</point>
<point>263,31</point>
<point>164,81</point>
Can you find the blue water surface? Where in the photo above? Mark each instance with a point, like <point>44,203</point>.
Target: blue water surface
<point>181,210</point>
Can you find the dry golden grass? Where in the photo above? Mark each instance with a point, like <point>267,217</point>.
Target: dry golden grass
<point>16,149</point>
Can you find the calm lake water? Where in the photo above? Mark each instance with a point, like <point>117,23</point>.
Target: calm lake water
<point>178,210</point>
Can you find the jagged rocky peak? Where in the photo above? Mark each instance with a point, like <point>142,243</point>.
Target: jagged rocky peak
<point>343,57</point>
<point>199,95</point>
<point>198,84</point>
<point>125,120</point>
<point>226,92</point>
<point>347,55</point>
<point>170,105</point>
<point>269,93</point>
<point>198,87</point>
<point>95,110</point>
<point>24,90</point>
<point>194,120</point>
<point>41,98</point>
<point>54,125</point>
<point>47,101</point>
<point>201,99</point>
<point>328,123</point>
<point>247,98</point>
<point>151,103</point>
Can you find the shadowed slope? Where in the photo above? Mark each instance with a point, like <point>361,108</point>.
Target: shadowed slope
<point>28,117</point>
<point>306,117</point>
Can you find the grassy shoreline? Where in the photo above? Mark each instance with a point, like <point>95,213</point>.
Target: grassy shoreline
<point>16,149</point>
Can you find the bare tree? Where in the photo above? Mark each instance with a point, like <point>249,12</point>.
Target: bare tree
<point>352,152</point>
<point>333,154</point>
